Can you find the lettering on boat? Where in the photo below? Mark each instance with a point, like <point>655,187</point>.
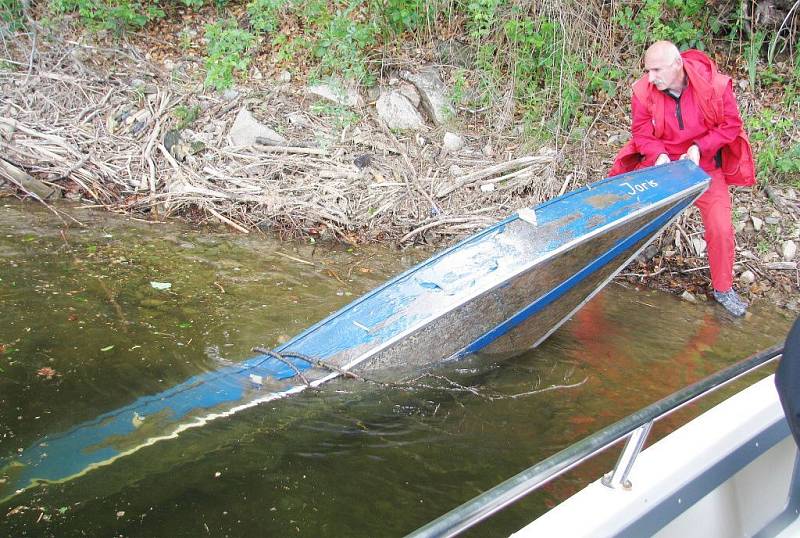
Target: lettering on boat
<point>636,188</point>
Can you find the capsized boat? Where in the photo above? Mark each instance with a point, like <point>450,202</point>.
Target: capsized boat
<point>501,290</point>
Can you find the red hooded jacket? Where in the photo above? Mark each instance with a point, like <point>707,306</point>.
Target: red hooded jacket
<point>707,116</point>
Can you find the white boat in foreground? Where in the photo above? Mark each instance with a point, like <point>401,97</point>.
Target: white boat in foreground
<point>726,473</point>
<point>733,471</point>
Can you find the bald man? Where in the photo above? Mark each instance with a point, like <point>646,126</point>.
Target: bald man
<point>683,109</point>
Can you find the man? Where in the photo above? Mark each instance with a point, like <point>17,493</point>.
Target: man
<point>683,109</point>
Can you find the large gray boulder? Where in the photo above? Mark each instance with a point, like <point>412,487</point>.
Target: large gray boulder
<point>398,112</point>
<point>433,93</point>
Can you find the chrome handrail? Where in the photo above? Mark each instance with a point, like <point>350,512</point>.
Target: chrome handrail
<point>484,505</point>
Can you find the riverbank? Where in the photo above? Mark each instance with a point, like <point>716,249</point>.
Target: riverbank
<point>133,129</point>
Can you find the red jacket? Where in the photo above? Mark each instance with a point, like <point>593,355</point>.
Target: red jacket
<point>706,114</point>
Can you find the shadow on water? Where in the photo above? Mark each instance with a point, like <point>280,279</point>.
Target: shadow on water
<point>85,332</point>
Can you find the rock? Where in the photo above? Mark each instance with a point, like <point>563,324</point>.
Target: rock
<point>230,94</point>
<point>452,142</point>
<point>410,93</point>
<point>337,92</point>
<point>487,187</point>
<point>747,277</point>
<point>298,119</point>
<point>397,111</point>
<point>789,250</point>
<point>246,129</point>
<point>772,220</point>
<point>285,76</point>
<point>689,297</point>
<point>456,171</point>
<point>782,266</point>
<point>650,252</point>
<point>169,65</point>
<point>362,161</point>
<point>432,92</point>
<point>748,255</point>
<point>487,150</point>
<point>699,245</point>
<point>757,223</point>
<point>618,138</point>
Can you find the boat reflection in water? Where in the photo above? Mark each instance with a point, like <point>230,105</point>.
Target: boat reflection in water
<point>537,266</point>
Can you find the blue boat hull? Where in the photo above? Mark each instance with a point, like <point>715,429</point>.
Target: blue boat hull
<point>502,290</point>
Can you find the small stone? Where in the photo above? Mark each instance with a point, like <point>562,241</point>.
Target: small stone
<point>169,65</point>
<point>487,150</point>
<point>689,297</point>
<point>452,142</point>
<point>789,249</point>
<point>757,223</point>
<point>217,474</point>
<point>338,92</point>
<point>120,514</point>
<point>772,220</point>
<point>488,187</point>
<point>285,76</point>
<point>230,94</point>
<point>747,277</point>
<point>456,171</point>
<point>699,245</point>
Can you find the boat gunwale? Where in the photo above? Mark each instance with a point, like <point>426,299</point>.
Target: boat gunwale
<point>534,477</point>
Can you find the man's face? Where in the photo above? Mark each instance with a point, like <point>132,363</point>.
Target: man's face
<point>663,72</point>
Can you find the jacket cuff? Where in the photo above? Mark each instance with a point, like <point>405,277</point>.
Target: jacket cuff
<point>704,147</point>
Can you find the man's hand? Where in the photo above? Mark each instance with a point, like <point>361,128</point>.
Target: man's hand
<point>662,159</point>
<point>693,154</point>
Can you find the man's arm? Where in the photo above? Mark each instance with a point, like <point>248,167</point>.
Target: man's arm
<point>643,132</point>
<point>724,133</point>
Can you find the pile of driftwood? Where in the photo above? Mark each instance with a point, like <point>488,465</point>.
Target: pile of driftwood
<point>103,126</point>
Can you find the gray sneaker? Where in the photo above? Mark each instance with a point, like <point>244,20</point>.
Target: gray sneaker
<point>731,301</point>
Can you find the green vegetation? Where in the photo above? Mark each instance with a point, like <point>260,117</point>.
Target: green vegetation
<point>228,52</point>
<point>11,13</point>
<point>114,15</point>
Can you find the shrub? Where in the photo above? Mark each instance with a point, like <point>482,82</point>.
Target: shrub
<point>228,46</point>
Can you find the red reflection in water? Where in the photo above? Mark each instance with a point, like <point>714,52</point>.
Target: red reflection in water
<point>604,348</point>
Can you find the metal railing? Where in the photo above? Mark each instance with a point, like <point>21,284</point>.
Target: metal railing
<point>635,426</point>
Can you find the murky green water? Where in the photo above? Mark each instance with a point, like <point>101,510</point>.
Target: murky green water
<point>85,332</point>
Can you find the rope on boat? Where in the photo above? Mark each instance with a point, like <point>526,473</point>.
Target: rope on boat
<point>285,356</point>
<point>451,386</point>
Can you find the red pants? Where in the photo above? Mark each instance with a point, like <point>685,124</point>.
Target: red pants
<point>715,208</point>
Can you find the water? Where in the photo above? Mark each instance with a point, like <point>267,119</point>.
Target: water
<point>84,332</point>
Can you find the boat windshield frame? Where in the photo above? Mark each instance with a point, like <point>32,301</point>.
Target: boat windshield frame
<point>508,492</point>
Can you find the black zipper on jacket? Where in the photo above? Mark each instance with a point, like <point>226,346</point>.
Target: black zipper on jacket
<point>678,113</point>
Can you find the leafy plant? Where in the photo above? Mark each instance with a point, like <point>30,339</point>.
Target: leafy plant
<point>776,159</point>
<point>186,115</point>
<point>112,15</point>
<point>227,53</point>
<point>265,15</point>
<point>342,44</point>
<point>11,13</point>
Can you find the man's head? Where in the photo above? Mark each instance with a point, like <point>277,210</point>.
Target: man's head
<point>664,66</point>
